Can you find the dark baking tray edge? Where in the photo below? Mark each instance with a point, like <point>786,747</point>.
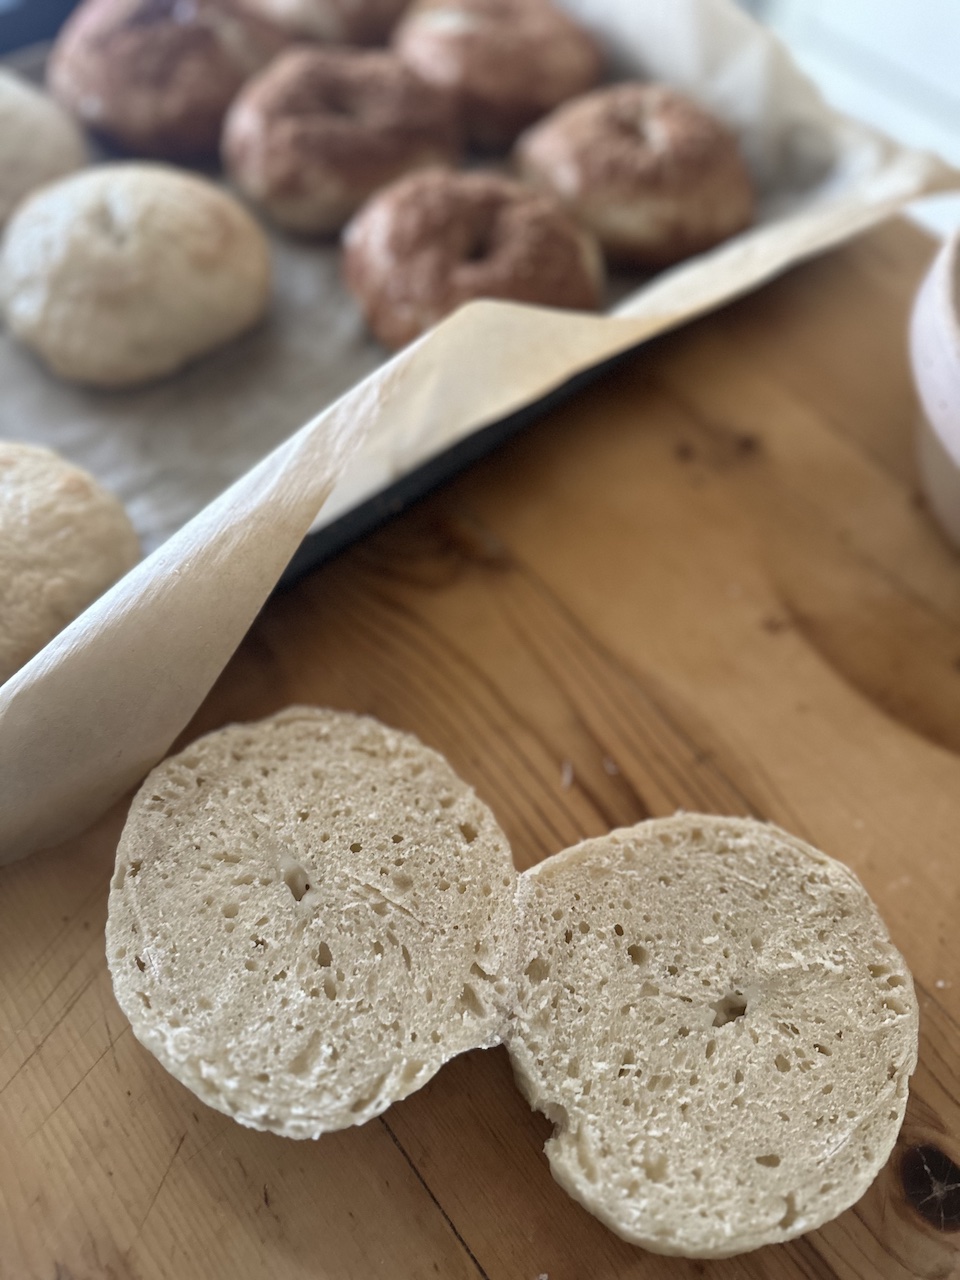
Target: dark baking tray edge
<point>328,542</point>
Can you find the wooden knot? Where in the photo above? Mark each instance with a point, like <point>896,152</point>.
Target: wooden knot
<point>931,1183</point>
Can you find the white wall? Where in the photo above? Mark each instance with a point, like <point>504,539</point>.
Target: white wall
<point>895,63</point>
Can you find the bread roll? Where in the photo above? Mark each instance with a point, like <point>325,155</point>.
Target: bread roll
<point>63,541</point>
<point>308,917</point>
<point>311,914</point>
<point>38,141</point>
<point>713,1016</point>
<point>126,272</point>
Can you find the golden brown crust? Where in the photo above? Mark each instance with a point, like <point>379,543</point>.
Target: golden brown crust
<point>655,176</point>
<point>339,21</point>
<point>155,77</point>
<point>438,239</point>
<point>510,61</point>
<point>320,130</point>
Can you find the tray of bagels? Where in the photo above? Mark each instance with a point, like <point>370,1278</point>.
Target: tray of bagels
<point>270,269</point>
<point>246,208</point>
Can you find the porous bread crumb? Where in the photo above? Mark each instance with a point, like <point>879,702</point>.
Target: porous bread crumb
<point>713,1015</point>
<point>311,914</point>
<point>123,273</point>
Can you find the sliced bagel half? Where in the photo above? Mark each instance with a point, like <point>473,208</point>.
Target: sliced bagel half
<point>309,915</point>
<point>713,1015</point>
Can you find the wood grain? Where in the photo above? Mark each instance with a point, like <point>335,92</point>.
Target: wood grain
<point>706,583</point>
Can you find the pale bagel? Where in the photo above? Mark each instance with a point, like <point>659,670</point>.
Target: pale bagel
<point>63,541</point>
<point>308,917</point>
<point>38,141</point>
<point>713,1015</point>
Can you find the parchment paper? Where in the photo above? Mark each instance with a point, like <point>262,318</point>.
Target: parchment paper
<point>90,714</point>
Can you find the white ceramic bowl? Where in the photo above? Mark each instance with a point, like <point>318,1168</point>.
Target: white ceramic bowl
<point>935,355</point>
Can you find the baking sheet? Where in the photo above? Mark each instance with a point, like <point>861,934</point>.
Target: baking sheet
<point>168,449</point>
<point>103,701</point>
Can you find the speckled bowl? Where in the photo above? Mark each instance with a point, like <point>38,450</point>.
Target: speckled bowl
<point>935,355</point>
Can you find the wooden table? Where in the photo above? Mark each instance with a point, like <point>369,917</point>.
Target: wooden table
<point>706,583</point>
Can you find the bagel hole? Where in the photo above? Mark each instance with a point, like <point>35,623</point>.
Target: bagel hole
<point>481,243</point>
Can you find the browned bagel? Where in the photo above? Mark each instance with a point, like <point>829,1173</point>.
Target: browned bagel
<point>437,239</point>
<point>655,176</point>
<point>509,61</point>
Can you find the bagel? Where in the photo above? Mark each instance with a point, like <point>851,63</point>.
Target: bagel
<point>437,239</point>
<point>654,176</point>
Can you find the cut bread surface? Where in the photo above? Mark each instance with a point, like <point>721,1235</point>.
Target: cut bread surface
<point>309,915</point>
<point>714,1017</point>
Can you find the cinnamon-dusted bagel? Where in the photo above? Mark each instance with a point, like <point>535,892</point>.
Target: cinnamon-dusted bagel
<point>655,176</point>
<point>123,273</point>
<point>437,239</point>
<point>155,77</point>
<point>509,61</point>
<point>320,130</point>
